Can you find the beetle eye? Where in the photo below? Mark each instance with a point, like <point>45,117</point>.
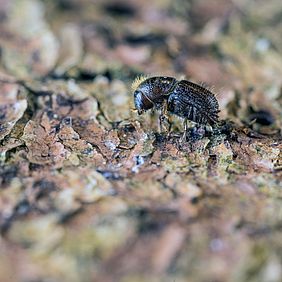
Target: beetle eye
<point>142,103</point>
<point>138,99</point>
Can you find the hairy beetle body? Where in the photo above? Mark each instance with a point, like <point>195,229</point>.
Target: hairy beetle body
<point>193,102</point>
<point>182,98</point>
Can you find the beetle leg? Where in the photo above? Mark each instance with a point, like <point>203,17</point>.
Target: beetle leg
<point>185,128</point>
<point>160,123</point>
<point>163,118</point>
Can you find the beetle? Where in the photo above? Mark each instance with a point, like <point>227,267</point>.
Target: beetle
<point>183,98</point>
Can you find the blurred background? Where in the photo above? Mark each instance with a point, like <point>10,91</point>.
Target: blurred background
<point>84,48</point>
<point>231,45</point>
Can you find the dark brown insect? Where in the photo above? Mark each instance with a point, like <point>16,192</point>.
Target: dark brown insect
<point>183,98</point>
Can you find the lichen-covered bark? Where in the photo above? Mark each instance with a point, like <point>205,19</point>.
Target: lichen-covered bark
<point>90,191</point>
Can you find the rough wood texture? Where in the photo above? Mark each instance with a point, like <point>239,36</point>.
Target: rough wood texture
<point>90,191</point>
